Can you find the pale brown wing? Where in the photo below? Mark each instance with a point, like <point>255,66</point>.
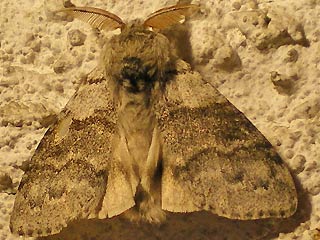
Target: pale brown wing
<point>169,16</point>
<point>67,176</point>
<point>96,17</point>
<point>215,159</point>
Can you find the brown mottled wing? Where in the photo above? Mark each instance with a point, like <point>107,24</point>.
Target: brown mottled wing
<point>215,159</point>
<point>168,16</point>
<point>96,17</point>
<point>67,176</point>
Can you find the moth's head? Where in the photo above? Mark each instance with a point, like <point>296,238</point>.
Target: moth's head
<point>135,30</point>
<point>139,56</point>
<point>136,58</point>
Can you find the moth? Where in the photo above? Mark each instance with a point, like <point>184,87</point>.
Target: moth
<point>147,137</point>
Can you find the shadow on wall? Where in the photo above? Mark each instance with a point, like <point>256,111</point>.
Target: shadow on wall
<point>193,226</point>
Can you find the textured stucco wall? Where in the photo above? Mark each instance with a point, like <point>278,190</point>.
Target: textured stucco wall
<point>264,56</point>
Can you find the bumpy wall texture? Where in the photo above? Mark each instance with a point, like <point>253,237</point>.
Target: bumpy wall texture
<point>262,55</point>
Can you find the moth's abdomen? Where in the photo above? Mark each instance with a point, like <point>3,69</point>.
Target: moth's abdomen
<point>138,146</point>
<point>137,122</point>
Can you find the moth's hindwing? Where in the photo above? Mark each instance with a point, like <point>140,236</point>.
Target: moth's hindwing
<point>67,176</point>
<point>215,159</point>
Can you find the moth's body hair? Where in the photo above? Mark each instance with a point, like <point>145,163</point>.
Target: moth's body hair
<point>138,136</point>
<point>138,133</point>
<point>136,61</point>
<point>152,53</point>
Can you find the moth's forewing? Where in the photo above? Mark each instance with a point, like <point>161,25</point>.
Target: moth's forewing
<point>215,159</point>
<point>67,176</point>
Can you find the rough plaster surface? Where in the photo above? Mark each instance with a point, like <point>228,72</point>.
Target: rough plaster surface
<point>264,56</point>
